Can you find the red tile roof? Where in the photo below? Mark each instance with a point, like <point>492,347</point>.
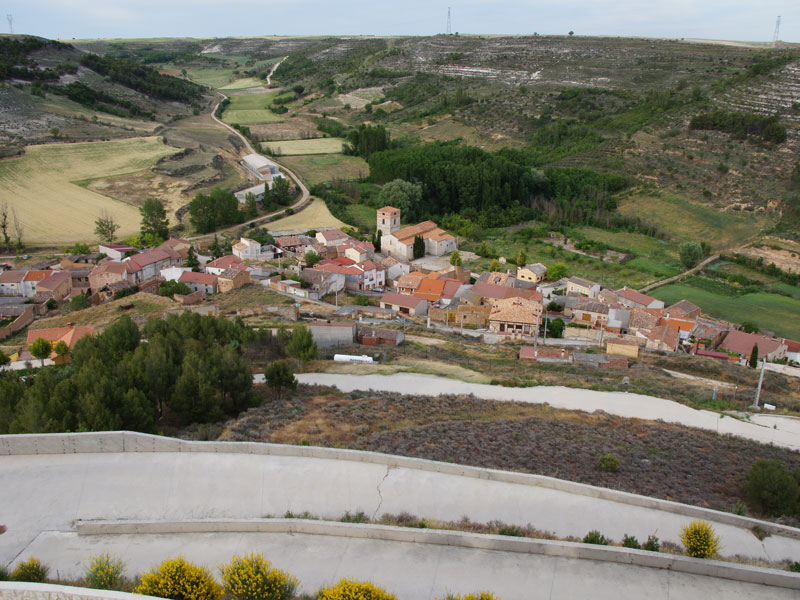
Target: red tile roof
<point>55,280</point>
<point>403,300</point>
<point>742,343</point>
<point>202,278</point>
<point>69,335</point>
<point>224,262</point>
<point>635,296</point>
<point>37,275</point>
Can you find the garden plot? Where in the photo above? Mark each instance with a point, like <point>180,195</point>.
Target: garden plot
<point>41,187</point>
<point>361,97</point>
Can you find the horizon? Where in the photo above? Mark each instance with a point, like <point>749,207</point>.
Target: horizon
<point>715,20</point>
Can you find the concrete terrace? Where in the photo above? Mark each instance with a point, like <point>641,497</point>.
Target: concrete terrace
<point>68,496</point>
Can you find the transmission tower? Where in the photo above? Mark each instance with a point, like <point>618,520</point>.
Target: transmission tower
<point>10,23</point>
<point>449,30</point>
<point>777,33</point>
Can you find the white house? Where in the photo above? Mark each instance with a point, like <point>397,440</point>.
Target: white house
<point>116,251</point>
<point>247,249</point>
<point>173,273</point>
<point>400,242</point>
<point>258,192</point>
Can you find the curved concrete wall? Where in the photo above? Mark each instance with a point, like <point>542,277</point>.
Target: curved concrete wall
<point>12,590</point>
<point>127,441</point>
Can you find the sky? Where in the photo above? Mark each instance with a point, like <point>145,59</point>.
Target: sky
<point>711,19</point>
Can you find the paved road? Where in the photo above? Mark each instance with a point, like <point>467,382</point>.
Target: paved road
<point>635,406</point>
<point>305,195</point>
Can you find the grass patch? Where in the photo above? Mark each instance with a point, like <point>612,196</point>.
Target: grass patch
<point>241,84</point>
<point>312,216</point>
<point>636,243</point>
<point>315,146</point>
<point>250,117</point>
<point>54,210</point>
<point>685,220</point>
<point>362,216</point>
<point>251,101</point>
<point>775,313</point>
<point>650,265</point>
<point>319,169</point>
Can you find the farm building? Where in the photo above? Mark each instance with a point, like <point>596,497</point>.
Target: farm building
<point>327,334</point>
<point>258,192</point>
<point>405,304</point>
<point>199,282</point>
<point>373,336</point>
<point>516,316</point>
<point>535,273</point>
<point>262,168</point>
<point>619,347</point>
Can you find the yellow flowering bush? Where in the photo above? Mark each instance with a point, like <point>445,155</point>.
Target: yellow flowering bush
<point>32,570</point>
<point>700,539</point>
<point>104,572</point>
<point>349,589</point>
<point>179,579</point>
<point>252,577</point>
<point>481,596</point>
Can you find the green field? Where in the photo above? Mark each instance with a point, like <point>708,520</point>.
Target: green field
<point>770,311</point>
<point>315,215</point>
<point>299,147</point>
<point>322,168</point>
<point>250,117</point>
<point>636,243</point>
<point>251,101</point>
<point>687,221</point>
<point>363,216</point>
<point>241,84</point>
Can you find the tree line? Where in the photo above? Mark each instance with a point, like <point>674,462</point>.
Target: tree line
<point>498,189</point>
<point>16,64</point>
<point>741,124</point>
<point>190,369</point>
<point>98,100</point>
<point>144,79</point>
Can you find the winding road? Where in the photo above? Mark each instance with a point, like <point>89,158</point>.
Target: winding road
<point>305,195</point>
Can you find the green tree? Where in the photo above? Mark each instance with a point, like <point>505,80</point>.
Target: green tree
<point>79,302</point>
<point>376,241</point>
<point>41,348</point>
<point>105,227</point>
<point>301,346</point>
<point>281,191</point>
<point>4,360</point>
<point>455,259</point>
<point>419,247</point>
<point>522,258</point>
<point>404,195</point>
<point>215,249</point>
<point>154,219</point>
<point>750,327</point>
<point>557,271</point>
<point>311,258</point>
<point>170,288</point>
<point>483,250</point>
<point>61,349</point>
<point>691,254</point>
<point>191,260</point>
<point>771,490</point>
<point>555,328</point>
<point>753,362</point>
<point>494,266</point>
<point>251,206</point>
<point>279,377</point>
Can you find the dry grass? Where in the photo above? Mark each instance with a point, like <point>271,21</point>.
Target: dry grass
<point>319,169</point>
<point>41,186</point>
<point>406,365</point>
<point>315,146</point>
<point>315,215</point>
<point>247,297</point>
<point>144,304</point>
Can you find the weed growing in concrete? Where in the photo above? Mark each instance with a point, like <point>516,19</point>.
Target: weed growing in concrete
<point>700,539</point>
<point>178,579</point>
<point>349,589</point>
<point>595,537</point>
<point>630,541</point>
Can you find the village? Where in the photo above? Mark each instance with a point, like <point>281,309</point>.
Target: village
<point>414,277</point>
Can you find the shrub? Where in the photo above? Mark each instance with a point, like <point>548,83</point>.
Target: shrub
<point>700,540</point>
<point>480,596</point>
<point>252,577</point>
<point>511,530</point>
<point>794,567</point>
<point>771,489</point>
<point>178,579</point>
<point>32,570</point>
<point>609,463</point>
<point>349,589</point>
<point>104,572</point>
<point>358,517</point>
<point>4,574</point>
<point>652,544</point>
<point>595,537</point>
<point>630,541</point>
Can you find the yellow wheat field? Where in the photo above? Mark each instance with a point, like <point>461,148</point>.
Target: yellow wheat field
<point>53,209</point>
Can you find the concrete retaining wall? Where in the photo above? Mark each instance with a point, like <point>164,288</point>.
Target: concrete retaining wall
<point>124,441</point>
<point>11,590</point>
<point>497,543</point>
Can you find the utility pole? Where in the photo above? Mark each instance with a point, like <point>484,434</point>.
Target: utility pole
<point>760,381</point>
<point>11,22</point>
<point>449,30</point>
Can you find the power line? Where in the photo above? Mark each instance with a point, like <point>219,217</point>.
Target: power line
<point>449,30</point>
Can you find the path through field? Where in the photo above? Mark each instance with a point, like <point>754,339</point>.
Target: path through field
<point>305,195</point>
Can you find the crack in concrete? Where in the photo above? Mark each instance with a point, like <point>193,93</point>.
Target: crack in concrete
<point>378,488</point>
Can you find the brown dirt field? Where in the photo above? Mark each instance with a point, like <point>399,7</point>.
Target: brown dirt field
<point>660,460</point>
<point>135,188</point>
<point>783,259</point>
